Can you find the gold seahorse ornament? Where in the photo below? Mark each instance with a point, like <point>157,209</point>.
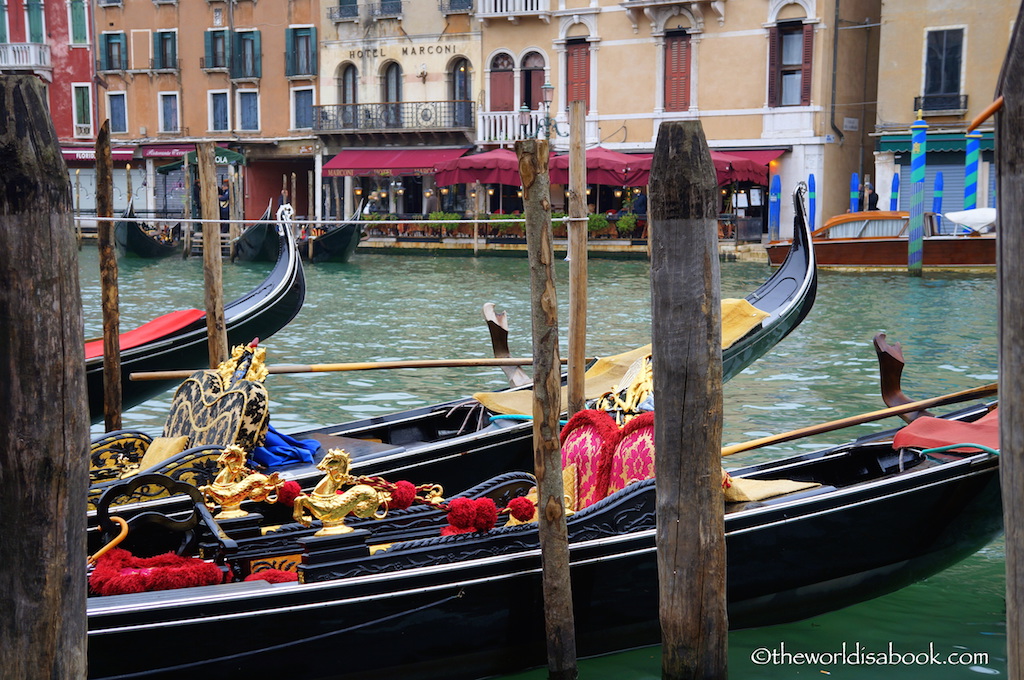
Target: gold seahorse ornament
<point>236,483</point>
<point>331,507</point>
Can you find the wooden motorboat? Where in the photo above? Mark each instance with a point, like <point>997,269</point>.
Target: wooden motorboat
<point>179,339</point>
<point>258,242</point>
<point>136,239</point>
<point>877,239</point>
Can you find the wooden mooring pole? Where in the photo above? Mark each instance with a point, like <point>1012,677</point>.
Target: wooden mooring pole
<point>687,361</point>
<point>108,281</point>
<point>547,456</point>
<point>44,430</point>
<point>1010,269</point>
<point>577,232</point>
<point>213,274</point>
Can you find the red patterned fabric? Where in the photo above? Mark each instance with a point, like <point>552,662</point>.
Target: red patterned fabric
<point>119,572</point>
<point>633,457</point>
<point>930,433</point>
<point>588,440</point>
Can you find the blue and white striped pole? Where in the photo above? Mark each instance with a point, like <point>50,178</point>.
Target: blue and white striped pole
<point>918,149</point>
<point>894,195</point>
<point>774,205</point>
<point>812,199</point>
<point>854,193</point>
<point>937,194</point>
<point>971,170</point>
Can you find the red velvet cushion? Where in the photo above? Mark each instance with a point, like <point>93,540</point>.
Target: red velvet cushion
<point>588,440</point>
<point>119,572</point>
<point>149,331</point>
<point>633,458</point>
<point>930,433</point>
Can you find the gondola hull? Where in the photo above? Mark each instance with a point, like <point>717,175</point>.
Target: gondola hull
<point>258,242</point>
<point>258,314</point>
<point>336,245</point>
<point>132,239</point>
<point>471,606</point>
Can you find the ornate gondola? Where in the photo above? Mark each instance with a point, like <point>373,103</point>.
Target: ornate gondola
<point>258,242</point>
<point>404,596</point>
<point>179,339</point>
<point>134,239</point>
<point>335,244</point>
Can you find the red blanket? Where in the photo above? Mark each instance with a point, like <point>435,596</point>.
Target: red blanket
<point>930,433</point>
<point>147,332</point>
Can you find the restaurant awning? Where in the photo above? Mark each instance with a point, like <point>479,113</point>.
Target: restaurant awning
<point>221,156</point>
<point>759,156</point>
<point>387,162</point>
<point>935,142</point>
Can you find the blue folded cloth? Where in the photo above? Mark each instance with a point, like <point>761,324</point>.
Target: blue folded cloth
<point>280,449</point>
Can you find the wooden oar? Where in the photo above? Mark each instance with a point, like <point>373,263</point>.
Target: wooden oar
<point>955,397</point>
<point>357,366</point>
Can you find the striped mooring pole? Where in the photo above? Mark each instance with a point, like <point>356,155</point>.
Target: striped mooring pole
<point>918,149</point>
<point>854,193</point>
<point>894,193</point>
<point>971,170</point>
<point>812,199</point>
<point>774,208</point>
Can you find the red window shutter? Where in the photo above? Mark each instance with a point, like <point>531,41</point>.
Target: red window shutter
<point>677,73</point>
<point>578,86</point>
<point>774,75</point>
<point>501,91</point>
<point>805,73</point>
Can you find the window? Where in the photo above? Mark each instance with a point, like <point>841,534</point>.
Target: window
<point>248,110</point>
<point>790,49</point>
<point>82,95</point>
<point>462,93</point>
<point>219,116</point>
<point>113,55</point>
<point>300,51</point>
<point>165,50</point>
<point>34,21</point>
<point>532,77</point>
<point>386,8</point>
<point>246,55</point>
<point>502,96</point>
<point>349,95</point>
<point>677,72</point>
<point>78,22</point>
<point>302,108</point>
<point>577,87</point>
<point>346,9</point>
<point>117,111</point>
<point>169,112</point>
<point>392,95</point>
<point>456,6</point>
<point>215,49</point>
<point>943,59</point>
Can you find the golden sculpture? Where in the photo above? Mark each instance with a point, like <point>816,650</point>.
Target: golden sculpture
<point>236,483</point>
<point>331,507</point>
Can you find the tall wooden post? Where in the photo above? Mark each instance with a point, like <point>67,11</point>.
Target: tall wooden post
<point>547,456</point>
<point>78,207</point>
<point>108,281</point>
<point>45,433</point>
<point>213,274</point>
<point>1010,269</point>
<point>577,232</point>
<point>687,339</point>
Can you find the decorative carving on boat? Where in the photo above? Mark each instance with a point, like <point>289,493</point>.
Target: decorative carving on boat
<point>236,483</point>
<point>329,506</point>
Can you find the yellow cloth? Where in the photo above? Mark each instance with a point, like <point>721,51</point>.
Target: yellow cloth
<point>742,489</point>
<point>739,317</point>
<point>161,449</point>
<point>604,375</point>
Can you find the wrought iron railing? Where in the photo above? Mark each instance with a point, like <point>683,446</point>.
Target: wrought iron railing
<point>394,116</point>
<point>343,12</point>
<point>382,9</point>
<point>512,8</point>
<point>455,6</point>
<point>941,102</point>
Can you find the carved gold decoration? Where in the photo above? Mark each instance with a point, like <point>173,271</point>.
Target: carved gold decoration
<point>257,370</point>
<point>236,483</point>
<point>331,507</point>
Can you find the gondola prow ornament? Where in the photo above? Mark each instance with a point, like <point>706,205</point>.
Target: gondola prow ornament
<point>329,506</point>
<point>236,483</point>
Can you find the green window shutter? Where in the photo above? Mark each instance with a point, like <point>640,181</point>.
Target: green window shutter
<point>236,55</point>
<point>3,22</point>
<point>290,67</point>
<point>79,34</point>
<point>34,9</point>
<point>122,40</point>
<point>258,58</point>
<point>173,37</point>
<point>314,49</point>
<point>158,49</point>
<point>208,49</point>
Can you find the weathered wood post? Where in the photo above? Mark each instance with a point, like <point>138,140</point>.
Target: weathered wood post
<point>1010,268</point>
<point>108,282</point>
<point>44,432</point>
<point>547,456</point>
<point>687,360</point>
<point>213,274</point>
<point>577,232</point>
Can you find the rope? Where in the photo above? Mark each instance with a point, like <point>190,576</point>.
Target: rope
<point>284,645</point>
<point>940,449</point>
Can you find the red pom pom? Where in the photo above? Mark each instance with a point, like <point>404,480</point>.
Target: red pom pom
<point>461,513</point>
<point>273,576</point>
<point>521,508</point>
<point>486,514</point>
<point>288,492</point>
<point>403,495</point>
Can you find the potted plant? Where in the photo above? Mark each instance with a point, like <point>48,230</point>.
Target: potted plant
<point>596,222</point>
<point>626,224</point>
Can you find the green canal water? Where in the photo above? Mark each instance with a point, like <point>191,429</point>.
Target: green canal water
<point>381,307</point>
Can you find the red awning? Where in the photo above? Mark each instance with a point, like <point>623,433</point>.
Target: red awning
<point>386,162</point>
<point>759,156</point>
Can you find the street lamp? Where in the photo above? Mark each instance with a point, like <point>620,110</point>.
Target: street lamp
<point>546,126</point>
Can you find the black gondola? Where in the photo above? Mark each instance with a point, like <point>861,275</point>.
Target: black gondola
<point>133,239</point>
<point>179,339</point>
<point>258,242</point>
<point>336,244</point>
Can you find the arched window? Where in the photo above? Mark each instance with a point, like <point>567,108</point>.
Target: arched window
<point>461,93</point>
<point>502,90</point>
<point>531,78</point>
<point>348,96</point>
<point>392,95</point>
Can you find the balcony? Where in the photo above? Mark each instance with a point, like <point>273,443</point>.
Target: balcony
<point>26,57</point>
<point>386,9</point>
<point>399,116</point>
<point>637,10</point>
<point>455,6</point>
<point>343,12</point>
<point>941,104</point>
<point>514,10</point>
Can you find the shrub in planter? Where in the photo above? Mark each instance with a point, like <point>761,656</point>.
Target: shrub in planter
<point>443,226</point>
<point>626,224</point>
<point>596,222</point>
